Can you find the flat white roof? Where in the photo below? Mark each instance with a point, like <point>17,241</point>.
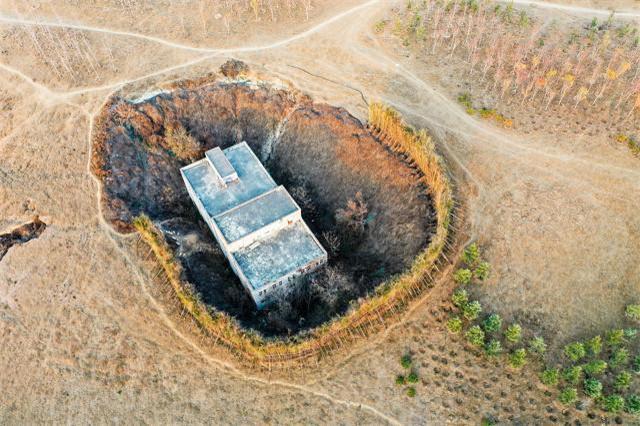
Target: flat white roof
<point>216,198</point>
<point>248,204</point>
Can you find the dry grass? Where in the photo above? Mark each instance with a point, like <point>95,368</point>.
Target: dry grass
<point>182,144</point>
<point>374,313</point>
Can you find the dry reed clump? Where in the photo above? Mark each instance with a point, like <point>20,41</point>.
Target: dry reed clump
<point>182,144</point>
<point>373,313</point>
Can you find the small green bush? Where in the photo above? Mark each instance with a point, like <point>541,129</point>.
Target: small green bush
<point>475,336</point>
<point>493,348</point>
<point>633,312</point>
<point>400,380</point>
<point>572,375</point>
<point>622,381</point>
<point>518,358</point>
<point>487,421</point>
<point>595,367</point>
<point>482,271</point>
<point>619,358</point>
<point>460,298</point>
<point>472,310</point>
<point>537,345</point>
<point>613,403</point>
<point>492,323</point>
<point>575,351</point>
<point>615,338</point>
<point>455,325</point>
<point>462,276</point>
<point>633,404</point>
<point>471,254</point>
<point>412,377</point>
<point>513,333</point>
<point>630,334</point>
<point>568,396</point>
<point>405,361</point>
<point>635,365</point>
<point>593,388</point>
<point>550,377</point>
<point>411,391</point>
<point>593,346</point>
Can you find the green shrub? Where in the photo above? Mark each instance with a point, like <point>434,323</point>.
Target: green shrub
<point>405,361</point>
<point>475,336</point>
<point>492,323</point>
<point>487,421</point>
<point>572,375</point>
<point>412,377</point>
<point>472,252</point>
<point>513,333</point>
<point>472,310</point>
<point>613,403</point>
<point>633,312</point>
<point>518,358</point>
<point>411,391</point>
<point>635,365</point>
<point>568,396</point>
<point>593,388</point>
<point>622,381</point>
<point>630,334</point>
<point>493,348</point>
<point>550,377</point>
<point>619,358</point>
<point>400,380</point>
<point>465,99</point>
<point>455,325</point>
<point>460,298</point>
<point>615,338</point>
<point>575,351</point>
<point>462,276</point>
<point>633,404</point>
<point>595,367</point>
<point>593,346</point>
<point>537,345</point>
<point>482,271</point>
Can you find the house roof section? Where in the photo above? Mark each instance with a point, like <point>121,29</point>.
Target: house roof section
<point>255,214</point>
<point>216,198</point>
<point>278,255</point>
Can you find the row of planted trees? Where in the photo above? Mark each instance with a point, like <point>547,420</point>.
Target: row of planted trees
<point>602,369</point>
<point>537,63</point>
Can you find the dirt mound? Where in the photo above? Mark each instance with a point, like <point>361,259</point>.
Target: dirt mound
<point>368,207</point>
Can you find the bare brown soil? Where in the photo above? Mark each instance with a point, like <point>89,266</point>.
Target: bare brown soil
<point>322,154</point>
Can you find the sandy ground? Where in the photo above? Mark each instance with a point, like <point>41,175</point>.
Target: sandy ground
<point>87,338</point>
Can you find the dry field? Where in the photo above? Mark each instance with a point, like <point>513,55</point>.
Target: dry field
<point>87,337</point>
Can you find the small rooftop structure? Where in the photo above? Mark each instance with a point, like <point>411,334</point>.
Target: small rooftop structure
<point>257,224</point>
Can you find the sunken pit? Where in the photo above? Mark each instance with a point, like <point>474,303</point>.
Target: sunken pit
<point>368,206</point>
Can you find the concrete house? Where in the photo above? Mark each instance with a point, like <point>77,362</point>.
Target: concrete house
<point>256,222</point>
